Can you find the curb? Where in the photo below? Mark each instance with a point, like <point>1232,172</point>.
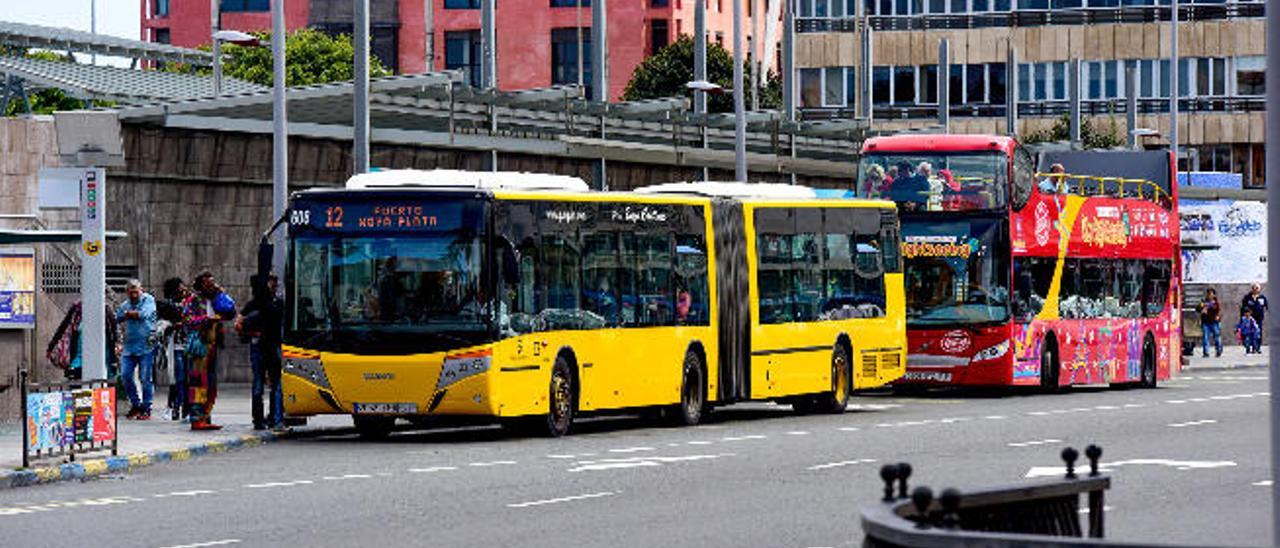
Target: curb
<point>1221,368</point>
<point>92,468</point>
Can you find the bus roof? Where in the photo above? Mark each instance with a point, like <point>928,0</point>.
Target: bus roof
<point>939,143</point>
<point>453,178</point>
<point>726,189</point>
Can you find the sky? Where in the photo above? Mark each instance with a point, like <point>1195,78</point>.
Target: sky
<point>115,17</point>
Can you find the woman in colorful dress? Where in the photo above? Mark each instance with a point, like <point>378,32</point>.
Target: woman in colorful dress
<point>203,313</point>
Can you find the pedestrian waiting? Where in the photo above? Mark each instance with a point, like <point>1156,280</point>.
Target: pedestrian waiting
<point>1211,322</point>
<point>262,326</point>
<point>173,345</point>
<point>65,349</point>
<point>138,316</point>
<point>202,315</point>
<point>1249,334</point>
<point>1256,303</point>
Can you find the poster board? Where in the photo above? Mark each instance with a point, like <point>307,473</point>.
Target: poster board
<point>17,288</point>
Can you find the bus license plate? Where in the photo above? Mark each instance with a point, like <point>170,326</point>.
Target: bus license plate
<point>932,376</point>
<point>386,408</point>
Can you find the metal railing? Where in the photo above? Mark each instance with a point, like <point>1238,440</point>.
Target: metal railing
<point>1113,187</point>
<point>1033,18</point>
<point>70,418</point>
<point>1093,107</point>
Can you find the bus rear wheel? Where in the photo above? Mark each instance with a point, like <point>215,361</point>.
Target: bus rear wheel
<point>837,400</point>
<point>374,427</point>
<point>693,393</point>
<point>561,399</point>
<point>1148,379</point>
<point>1049,367</point>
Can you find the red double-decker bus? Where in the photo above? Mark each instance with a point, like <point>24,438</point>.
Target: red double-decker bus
<point>1050,269</point>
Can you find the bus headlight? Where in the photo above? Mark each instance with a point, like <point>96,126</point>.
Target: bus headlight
<point>462,366</point>
<point>992,352</point>
<point>310,369</point>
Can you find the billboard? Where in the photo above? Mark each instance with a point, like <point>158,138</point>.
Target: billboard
<point>60,419</point>
<point>17,289</point>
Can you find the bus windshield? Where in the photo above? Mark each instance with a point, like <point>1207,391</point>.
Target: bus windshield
<point>936,181</point>
<point>955,273</point>
<point>379,287</point>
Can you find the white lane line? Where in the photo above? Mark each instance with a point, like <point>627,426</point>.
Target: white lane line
<point>1134,405</point>
<point>840,463</point>
<point>995,417</point>
<point>673,445</point>
<point>1175,402</point>
<point>1263,483</point>
<point>1038,413</point>
<point>562,499</point>
<point>848,429</point>
<point>1105,407</point>
<point>278,484</point>
<point>954,420</point>
<point>431,469</point>
<point>632,450</point>
<point>571,456</point>
<point>491,463</point>
<point>741,438</point>
<point>347,476</point>
<point>698,442</point>
<point>191,493</point>
<point>1033,443</point>
<point>797,433</point>
<point>637,462</point>
<point>222,542</point>
<point>1192,423</point>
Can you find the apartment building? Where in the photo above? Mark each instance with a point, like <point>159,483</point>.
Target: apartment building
<point>537,39</point>
<point>1221,62</point>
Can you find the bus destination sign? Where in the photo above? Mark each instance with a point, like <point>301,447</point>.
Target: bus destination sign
<point>378,216</point>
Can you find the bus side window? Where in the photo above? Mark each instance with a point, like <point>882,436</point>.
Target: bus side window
<point>1155,287</point>
<point>692,302</point>
<point>1023,175</point>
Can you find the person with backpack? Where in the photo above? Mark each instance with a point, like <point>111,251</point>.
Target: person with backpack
<point>64,350</point>
<point>202,315</point>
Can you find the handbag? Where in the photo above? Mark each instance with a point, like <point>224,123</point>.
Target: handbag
<point>62,353</point>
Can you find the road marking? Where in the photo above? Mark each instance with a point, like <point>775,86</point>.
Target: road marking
<point>1175,402</point>
<point>1033,443</point>
<point>954,420</point>
<point>873,406</point>
<point>223,542</point>
<point>105,501</point>
<point>1192,423</point>
<point>848,429</point>
<point>839,464</point>
<point>278,484</point>
<point>1105,407</point>
<point>191,493</point>
<point>490,464</point>
<point>699,442</point>
<point>1134,405</point>
<point>742,438</point>
<point>995,417</point>
<point>638,462</point>
<point>571,456</point>
<point>1263,483</point>
<point>430,469</point>
<point>797,433</point>
<point>632,450</point>
<point>1051,471</point>
<point>1038,413</point>
<point>561,499</point>
<point>347,476</point>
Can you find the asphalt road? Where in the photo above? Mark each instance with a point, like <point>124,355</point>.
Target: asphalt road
<point>1189,462</point>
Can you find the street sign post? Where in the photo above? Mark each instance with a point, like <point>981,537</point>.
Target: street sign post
<point>93,272</point>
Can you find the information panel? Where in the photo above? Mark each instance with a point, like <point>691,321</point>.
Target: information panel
<point>17,289</point>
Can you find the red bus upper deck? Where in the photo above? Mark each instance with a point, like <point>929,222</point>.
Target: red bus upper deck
<point>1051,268</point>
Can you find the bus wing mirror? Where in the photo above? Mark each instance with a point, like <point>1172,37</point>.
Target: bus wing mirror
<point>265,253</point>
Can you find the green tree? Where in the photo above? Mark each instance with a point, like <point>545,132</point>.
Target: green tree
<point>665,74</point>
<point>311,57</point>
<point>48,100</point>
<point>1091,137</point>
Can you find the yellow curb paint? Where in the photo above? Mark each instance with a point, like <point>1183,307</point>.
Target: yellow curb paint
<point>48,474</point>
<point>181,454</point>
<point>95,467</point>
<point>217,447</point>
<point>140,459</point>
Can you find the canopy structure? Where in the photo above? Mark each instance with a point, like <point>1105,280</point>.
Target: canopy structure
<point>18,237</point>
<point>63,39</point>
<point>117,84</point>
<point>437,110</point>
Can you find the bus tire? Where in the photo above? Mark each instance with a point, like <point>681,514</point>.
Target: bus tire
<point>1050,367</point>
<point>1148,379</point>
<point>837,400</point>
<point>562,400</point>
<point>374,427</point>
<point>693,393</point>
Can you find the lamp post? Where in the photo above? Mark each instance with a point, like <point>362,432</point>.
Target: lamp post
<point>739,151</point>
<point>739,121</point>
<point>232,37</point>
<point>279,131</point>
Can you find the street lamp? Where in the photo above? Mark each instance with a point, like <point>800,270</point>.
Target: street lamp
<point>1140,132</point>
<point>705,87</point>
<point>231,37</point>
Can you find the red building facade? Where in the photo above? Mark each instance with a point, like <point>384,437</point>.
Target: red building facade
<point>537,39</point>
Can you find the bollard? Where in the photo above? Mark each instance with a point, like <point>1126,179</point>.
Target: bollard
<point>950,501</point>
<point>1069,455</point>
<point>1094,453</point>
<point>921,498</point>
<point>888,473</point>
<point>904,472</point>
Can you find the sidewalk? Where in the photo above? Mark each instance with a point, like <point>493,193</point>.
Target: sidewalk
<point>1233,357</point>
<point>143,443</point>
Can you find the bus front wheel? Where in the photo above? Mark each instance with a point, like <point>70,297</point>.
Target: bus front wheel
<point>1148,363</point>
<point>561,399</point>
<point>693,393</point>
<point>837,400</point>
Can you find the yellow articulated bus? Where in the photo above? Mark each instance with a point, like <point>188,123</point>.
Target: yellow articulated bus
<point>531,300</point>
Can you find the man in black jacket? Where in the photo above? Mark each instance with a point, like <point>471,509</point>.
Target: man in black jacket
<point>263,324</point>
